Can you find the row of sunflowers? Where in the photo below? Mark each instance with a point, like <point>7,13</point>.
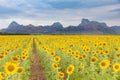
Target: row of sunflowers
<point>63,57</point>
<point>82,57</point>
<point>15,57</point>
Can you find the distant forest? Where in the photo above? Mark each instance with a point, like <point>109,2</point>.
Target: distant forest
<point>1,33</point>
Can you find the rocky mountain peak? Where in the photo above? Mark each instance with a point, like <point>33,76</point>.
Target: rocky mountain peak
<point>85,21</point>
<point>57,25</point>
<point>13,24</point>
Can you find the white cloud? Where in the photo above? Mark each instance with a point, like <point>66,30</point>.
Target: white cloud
<point>46,15</point>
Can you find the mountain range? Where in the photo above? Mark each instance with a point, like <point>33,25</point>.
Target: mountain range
<point>85,27</point>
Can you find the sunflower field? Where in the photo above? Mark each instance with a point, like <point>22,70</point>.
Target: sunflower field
<point>15,57</point>
<point>63,57</point>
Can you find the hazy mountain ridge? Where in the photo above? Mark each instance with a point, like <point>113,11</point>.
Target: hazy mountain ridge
<point>85,27</point>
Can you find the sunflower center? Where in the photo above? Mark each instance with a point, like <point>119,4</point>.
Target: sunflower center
<point>103,64</point>
<point>1,57</point>
<point>23,57</point>
<point>11,68</point>
<point>93,59</point>
<point>84,56</point>
<point>55,66</point>
<point>15,59</point>
<point>76,56</point>
<point>2,74</point>
<point>52,53</point>
<point>61,74</point>
<point>116,67</point>
<point>19,70</point>
<point>57,59</point>
<point>70,69</point>
<point>118,55</point>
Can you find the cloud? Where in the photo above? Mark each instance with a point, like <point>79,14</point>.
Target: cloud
<point>115,10</point>
<point>69,12</point>
<point>6,10</point>
<point>71,4</point>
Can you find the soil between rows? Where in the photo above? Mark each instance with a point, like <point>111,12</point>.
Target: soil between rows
<point>36,69</point>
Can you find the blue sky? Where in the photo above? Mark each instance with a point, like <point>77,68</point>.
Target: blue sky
<point>68,12</point>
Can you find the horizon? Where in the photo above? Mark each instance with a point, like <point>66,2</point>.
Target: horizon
<point>69,12</point>
<point>55,22</point>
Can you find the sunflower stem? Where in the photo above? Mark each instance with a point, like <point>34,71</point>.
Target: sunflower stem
<point>68,77</point>
<point>8,77</point>
<point>115,76</point>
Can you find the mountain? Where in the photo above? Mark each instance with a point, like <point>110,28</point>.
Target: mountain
<point>116,29</point>
<point>85,27</point>
<point>57,25</point>
<point>13,25</point>
<point>89,27</point>
<point>95,27</point>
<point>53,28</point>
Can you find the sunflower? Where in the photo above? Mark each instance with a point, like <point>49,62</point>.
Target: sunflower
<point>23,53</point>
<point>116,49</point>
<point>107,52</point>
<point>77,56</point>
<point>61,74</point>
<point>2,75</point>
<point>116,67</point>
<point>54,66</point>
<point>26,55</point>
<point>20,70</point>
<point>104,64</point>
<point>18,56</point>
<point>98,52</point>
<point>81,57</point>
<point>73,53</point>
<point>57,59</point>
<point>84,56</point>
<point>93,60</point>
<point>69,50</point>
<point>10,68</point>
<point>1,57</point>
<point>14,59</point>
<point>23,57</point>
<point>118,55</point>
<point>70,69</point>
<point>81,65</point>
<point>93,52</point>
<point>52,53</point>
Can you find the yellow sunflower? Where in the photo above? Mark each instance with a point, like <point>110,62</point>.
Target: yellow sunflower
<point>2,75</point>
<point>70,69</point>
<point>81,65</point>
<point>116,67</point>
<point>104,64</point>
<point>81,57</point>
<point>52,53</point>
<point>20,70</point>
<point>1,57</point>
<point>14,59</point>
<point>93,60</point>
<point>57,59</point>
<point>55,66</point>
<point>77,56</point>
<point>84,56</point>
<point>18,56</point>
<point>23,57</point>
<point>118,55</point>
<point>61,74</point>
<point>10,68</point>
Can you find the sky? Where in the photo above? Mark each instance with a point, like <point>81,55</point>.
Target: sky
<point>68,12</point>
